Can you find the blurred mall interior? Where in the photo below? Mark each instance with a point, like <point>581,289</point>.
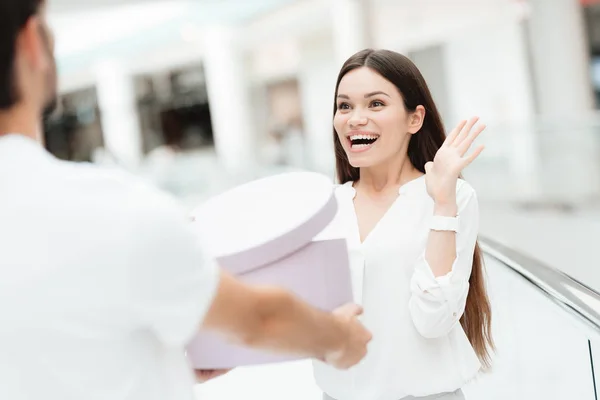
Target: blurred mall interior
<point>200,95</point>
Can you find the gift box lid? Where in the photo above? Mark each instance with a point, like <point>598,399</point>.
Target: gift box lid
<point>262,221</point>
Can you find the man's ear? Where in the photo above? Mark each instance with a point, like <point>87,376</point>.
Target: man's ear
<point>416,119</point>
<point>30,45</point>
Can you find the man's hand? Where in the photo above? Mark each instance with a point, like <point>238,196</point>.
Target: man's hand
<point>273,319</point>
<point>203,375</point>
<point>354,348</point>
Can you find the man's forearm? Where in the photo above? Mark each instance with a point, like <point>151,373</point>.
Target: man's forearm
<point>273,319</point>
<point>288,324</point>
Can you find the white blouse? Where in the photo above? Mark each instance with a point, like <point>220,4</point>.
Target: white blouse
<point>419,347</point>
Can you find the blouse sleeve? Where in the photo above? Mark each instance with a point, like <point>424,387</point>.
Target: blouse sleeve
<point>437,303</point>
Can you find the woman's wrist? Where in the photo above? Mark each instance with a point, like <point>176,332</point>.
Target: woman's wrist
<point>445,208</point>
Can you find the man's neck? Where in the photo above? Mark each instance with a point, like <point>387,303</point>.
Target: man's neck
<point>19,119</point>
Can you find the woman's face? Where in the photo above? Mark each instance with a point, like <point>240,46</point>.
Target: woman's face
<point>371,120</point>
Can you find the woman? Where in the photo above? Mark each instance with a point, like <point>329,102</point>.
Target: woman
<point>412,225</point>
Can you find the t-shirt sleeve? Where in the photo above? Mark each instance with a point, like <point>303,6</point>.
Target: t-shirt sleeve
<point>172,282</point>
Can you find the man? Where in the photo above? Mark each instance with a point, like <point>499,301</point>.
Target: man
<point>100,280</point>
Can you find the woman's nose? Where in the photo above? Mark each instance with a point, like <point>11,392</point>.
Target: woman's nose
<point>357,120</point>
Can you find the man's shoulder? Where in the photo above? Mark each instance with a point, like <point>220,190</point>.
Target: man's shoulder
<point>117,187</point>
<point>93,175</point>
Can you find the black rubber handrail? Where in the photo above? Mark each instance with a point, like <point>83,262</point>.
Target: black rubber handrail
<point>565,291</point>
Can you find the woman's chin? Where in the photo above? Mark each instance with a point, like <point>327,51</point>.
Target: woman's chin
<point>359,162</point>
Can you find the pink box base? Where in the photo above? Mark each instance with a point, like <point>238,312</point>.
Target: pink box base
<point>317,273</point>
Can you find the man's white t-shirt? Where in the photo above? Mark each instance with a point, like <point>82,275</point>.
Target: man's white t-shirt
<point>102,282</point>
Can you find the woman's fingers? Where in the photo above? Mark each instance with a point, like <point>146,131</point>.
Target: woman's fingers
<point>452,136</point>
<point>464,133</point>
<point>468,160</point>
<point>468,141</point>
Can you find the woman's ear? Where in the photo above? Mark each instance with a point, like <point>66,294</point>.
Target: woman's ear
<point>416,119</point>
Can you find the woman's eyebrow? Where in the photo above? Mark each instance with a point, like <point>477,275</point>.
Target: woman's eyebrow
<point>376,93</point>
<point>343,96</point>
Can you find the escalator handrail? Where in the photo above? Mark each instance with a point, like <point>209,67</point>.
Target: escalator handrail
<point>565,291</point>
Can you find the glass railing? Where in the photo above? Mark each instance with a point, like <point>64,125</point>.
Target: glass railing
<point>545,325</point>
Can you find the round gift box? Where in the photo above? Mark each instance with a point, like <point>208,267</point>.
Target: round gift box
<point>263,232</point>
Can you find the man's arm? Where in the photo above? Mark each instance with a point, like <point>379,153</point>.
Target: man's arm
<point>171,287</point>
<point>273,319</point>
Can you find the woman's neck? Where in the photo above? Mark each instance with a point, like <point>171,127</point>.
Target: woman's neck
<point>388,176</point>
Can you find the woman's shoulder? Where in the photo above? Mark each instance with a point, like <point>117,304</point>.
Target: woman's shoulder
<point>464,192</point>
<point>342,190</point>
<point>344,194</point>
<point>343,186</point>
<point>462,186</point>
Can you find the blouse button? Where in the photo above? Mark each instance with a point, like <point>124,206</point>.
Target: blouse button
<point>454,314</point>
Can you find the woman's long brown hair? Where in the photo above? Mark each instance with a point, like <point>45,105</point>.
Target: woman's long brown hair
<point>399,70</point>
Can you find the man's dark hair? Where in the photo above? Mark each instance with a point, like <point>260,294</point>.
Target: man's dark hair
<point>14,14</point>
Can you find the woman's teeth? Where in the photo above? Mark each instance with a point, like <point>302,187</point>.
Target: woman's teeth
<point>359,141</point>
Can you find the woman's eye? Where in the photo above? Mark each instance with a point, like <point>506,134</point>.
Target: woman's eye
<point>377,103</point>
<point>344,106</point>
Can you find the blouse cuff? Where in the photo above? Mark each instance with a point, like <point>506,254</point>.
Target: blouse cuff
<point>441,288</point>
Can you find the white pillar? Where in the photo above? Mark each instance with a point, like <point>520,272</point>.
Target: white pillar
<point>350,24</point>
<point>488,75</point>
<point>322,56</point>
<point>564,98</point>
<point>318,71</point>
<point>228,98</point>
<point>560,58</point>
<point>119,116</point>
<point>430,61</point>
